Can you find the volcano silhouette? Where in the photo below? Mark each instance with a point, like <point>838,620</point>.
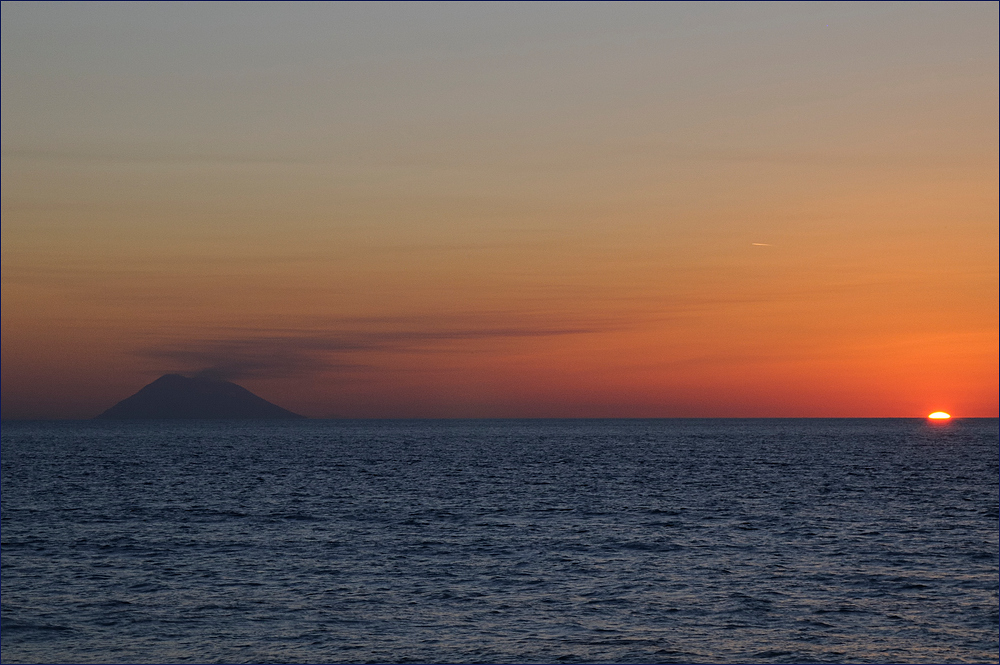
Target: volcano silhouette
<point>176,396</point>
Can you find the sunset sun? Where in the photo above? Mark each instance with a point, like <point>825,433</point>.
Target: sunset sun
<point>939,415</point>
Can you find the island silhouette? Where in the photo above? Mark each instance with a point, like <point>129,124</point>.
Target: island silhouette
<point>176,396</point>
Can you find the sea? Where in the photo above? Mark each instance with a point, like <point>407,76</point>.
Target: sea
<point>500,541</point>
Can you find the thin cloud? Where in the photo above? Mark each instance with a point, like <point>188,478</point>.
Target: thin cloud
<point>345,343</point>
<point>300,354</point>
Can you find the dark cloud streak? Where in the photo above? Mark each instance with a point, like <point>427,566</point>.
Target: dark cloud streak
<point>300,354</point>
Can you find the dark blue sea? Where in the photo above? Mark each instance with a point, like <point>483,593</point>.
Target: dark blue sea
<point>496,541</point>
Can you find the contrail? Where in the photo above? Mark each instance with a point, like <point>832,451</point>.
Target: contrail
<point>761,244</point>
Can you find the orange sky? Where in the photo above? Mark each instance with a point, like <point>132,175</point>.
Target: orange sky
<point>562,210</point>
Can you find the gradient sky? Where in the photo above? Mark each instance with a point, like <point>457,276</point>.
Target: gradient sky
<point>504,210</point>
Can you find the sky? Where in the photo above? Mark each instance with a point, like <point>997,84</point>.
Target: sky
<point>399,210</point>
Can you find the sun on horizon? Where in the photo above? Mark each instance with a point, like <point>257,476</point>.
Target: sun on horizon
<point>939,415</point>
